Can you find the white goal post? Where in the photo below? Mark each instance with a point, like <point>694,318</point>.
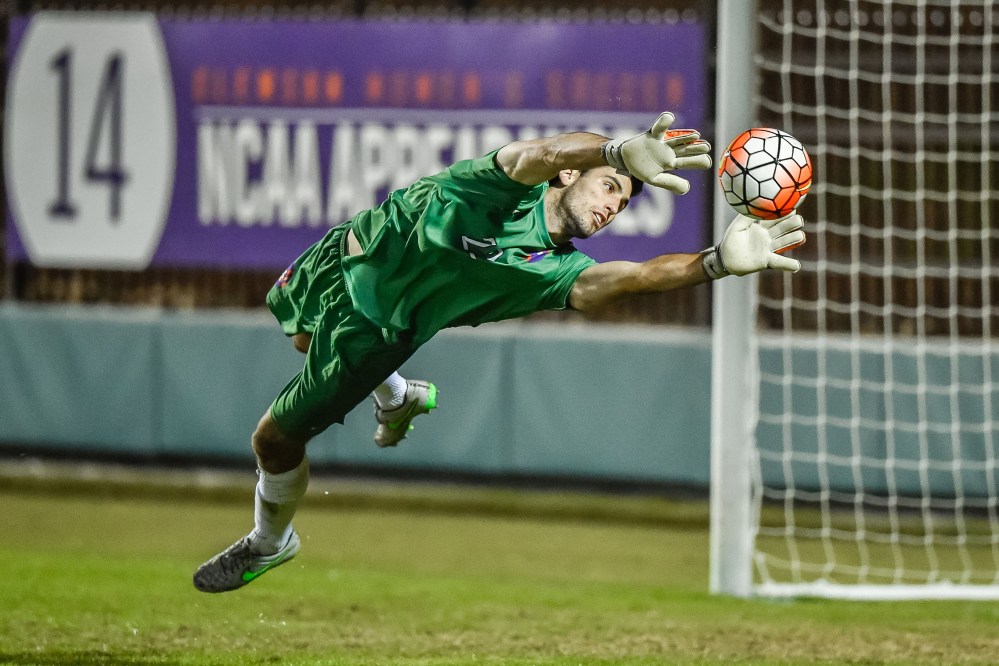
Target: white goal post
<point>854,432</point>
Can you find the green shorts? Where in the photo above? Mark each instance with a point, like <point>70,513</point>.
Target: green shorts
<point>348,356</point>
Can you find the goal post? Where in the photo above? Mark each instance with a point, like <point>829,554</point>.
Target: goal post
<point>855,440</point>
<point>733,366</point>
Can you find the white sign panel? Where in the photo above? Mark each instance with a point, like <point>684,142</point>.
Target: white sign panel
<point>90,139</point>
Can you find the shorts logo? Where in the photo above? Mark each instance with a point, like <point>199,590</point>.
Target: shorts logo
<point>285,277</point>
<point>534,257</point>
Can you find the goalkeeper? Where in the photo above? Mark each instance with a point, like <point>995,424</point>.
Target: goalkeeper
<point>485,240</point>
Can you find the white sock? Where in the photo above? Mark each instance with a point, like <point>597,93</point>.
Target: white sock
<point>274,506</point>
<point>392,392</point>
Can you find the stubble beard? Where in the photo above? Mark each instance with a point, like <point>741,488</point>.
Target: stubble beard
<point>573,216</point>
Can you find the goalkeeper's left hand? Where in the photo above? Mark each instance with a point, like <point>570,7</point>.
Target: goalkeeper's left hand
<point>653,155</point>
<point>751,245</point>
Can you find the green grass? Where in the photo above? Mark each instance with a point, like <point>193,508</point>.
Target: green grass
<point>397,575</point>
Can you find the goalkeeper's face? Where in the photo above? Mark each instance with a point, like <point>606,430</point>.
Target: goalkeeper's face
<point>591,200</point>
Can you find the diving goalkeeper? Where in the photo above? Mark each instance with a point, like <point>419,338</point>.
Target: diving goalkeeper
<point>485,240</point>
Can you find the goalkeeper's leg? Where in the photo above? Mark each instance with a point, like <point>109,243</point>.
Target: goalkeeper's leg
<point>397,401</point>
<point>283,480</point>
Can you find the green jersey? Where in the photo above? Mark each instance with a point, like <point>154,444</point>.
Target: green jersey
<point>463,247</point>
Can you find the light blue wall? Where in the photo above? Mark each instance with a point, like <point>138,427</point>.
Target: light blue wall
<point>853,408</point>
<point>79,380</point>
<point>600,402</point>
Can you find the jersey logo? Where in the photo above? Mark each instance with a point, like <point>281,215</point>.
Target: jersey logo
<point>481,249</point>
<point>285,277</point>
<point>537,256</point>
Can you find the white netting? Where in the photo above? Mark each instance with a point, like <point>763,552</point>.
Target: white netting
<point>877,436</point>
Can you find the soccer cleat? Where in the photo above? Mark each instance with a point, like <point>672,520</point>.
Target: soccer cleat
<point>238,565</point>
<point>393,424</point>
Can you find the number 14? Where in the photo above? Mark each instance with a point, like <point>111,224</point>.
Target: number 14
<point>107,111</point>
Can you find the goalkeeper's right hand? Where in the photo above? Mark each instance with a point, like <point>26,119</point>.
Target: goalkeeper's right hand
<point>751,245</point>
<point>651,156</point>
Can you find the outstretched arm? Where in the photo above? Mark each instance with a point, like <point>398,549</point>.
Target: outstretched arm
<point>539,160</point>
<point>601,284</point>
<point>650,156</point>
<point>748,246</point>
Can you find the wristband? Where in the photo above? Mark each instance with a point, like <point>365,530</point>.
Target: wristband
<point>712,264</point>
<point>611,154</point>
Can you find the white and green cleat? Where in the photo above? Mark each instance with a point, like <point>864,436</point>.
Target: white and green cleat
<point>393,424</point>
<point>238,565</point>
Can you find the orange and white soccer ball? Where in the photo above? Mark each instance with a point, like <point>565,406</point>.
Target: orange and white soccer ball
<point>765,173</point>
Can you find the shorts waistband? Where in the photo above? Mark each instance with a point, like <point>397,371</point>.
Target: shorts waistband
<point>344,249</point>
<point>336,242</point>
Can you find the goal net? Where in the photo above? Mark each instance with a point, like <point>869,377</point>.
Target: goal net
<point>875,465</point>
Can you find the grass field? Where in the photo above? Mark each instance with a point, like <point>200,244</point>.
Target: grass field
<point>100,573</point>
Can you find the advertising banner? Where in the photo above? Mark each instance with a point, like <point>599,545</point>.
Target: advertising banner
<point>134,141</point>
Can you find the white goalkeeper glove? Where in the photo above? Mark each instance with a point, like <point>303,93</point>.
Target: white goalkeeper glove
<point>650,156</point>
<point>751,245</point>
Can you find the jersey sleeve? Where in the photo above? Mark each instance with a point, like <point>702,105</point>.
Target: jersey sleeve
<point>572,263</point>
<point>482,181</point>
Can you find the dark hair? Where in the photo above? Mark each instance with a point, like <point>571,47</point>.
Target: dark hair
<point>636,186</point>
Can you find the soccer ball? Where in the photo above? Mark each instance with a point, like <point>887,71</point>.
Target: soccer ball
<point>765,173</point>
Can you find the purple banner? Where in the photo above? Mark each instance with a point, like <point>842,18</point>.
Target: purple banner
<point>237,144</point>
